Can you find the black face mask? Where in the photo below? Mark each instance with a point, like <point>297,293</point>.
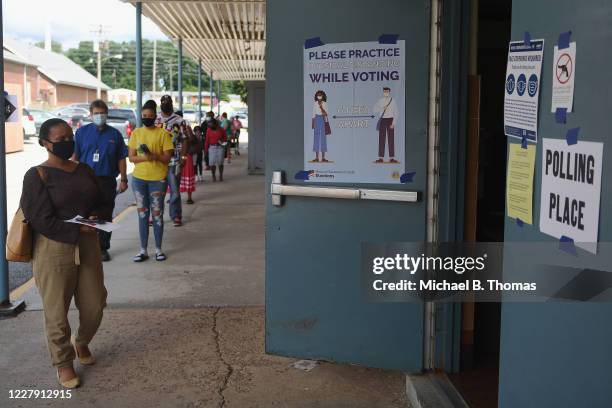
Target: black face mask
<point>63,149</point>
<point>166,107</point>
<point>148,122</point>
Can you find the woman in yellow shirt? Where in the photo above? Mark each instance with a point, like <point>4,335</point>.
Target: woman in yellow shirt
<point>150,149</point>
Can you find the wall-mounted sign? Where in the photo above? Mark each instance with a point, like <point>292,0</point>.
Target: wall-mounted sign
<point>354,104</point>
<point>564,69</point>
<point>523,74</point>
<point>11,114</point>
<point>519,182</point>
<point>571,186</point>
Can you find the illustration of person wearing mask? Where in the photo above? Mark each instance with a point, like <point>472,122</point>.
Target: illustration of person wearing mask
<point>320,126</point>
<point>386,108</point>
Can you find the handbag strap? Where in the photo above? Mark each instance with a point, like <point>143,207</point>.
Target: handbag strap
<point>42,174</point>
<point>385,110</point>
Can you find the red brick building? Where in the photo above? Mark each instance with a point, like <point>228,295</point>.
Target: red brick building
<point>43,79</point>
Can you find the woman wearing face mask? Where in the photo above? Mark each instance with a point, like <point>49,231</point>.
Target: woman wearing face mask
<point>66,257</point>
<point>213,146</point>
<point>320,126</point>
<point>150,149</point>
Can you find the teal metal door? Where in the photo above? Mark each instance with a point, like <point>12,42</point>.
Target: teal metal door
<point>314,307</point>
<point>557,354</point>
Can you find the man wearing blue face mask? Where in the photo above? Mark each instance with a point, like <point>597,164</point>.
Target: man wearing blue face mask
<point>103,149</point>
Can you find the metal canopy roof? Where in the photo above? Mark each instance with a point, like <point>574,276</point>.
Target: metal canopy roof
<point>228,35</point>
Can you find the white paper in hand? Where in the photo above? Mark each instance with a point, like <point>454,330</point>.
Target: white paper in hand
<point>97,224</point>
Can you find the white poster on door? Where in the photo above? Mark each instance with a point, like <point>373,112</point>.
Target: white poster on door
<point>354,104</point>
<point>571,187</point>
<point>523,75</point>
<point>564,68</point>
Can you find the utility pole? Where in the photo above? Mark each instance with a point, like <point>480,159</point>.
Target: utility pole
<point>99,88</point>
<point>99,30</point>
<point>154,64</point>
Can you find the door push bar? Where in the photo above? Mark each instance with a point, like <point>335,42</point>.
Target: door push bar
<point>278,189</point>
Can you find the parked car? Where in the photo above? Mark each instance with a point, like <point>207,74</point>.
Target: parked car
<point>71,111</point>
<point>27,121</point>
<point>190,116</point>
<point>79,105</point>
<point>40,116</point>
<point>123,119</point>
<point>74,116</point>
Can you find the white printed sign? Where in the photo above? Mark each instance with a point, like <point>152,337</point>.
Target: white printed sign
<point>523,75</point>
<point>571,187</point>
<point>564,68</point>
<point>354,104</point>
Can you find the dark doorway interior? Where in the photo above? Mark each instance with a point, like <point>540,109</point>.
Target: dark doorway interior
<point>478,378</point>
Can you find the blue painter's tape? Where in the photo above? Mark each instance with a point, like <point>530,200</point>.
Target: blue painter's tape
<point>302,175</point>
<point>561,115</point>
<point>313,42</point>
<point>572,136</point>
<point>564,40</point>
<point>527,38</point>
<point>524,143</point>
<point>388,39</point>
<point>519,222</point>
<point>407,177</point>
<point>566,244</point>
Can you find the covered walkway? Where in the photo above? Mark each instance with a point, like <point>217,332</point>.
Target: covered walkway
<point>189,332</point>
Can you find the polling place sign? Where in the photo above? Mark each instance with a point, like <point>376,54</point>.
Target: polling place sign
<point>571,187</point>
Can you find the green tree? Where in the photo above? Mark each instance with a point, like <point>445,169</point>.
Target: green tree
<point>119,67</point>
<point>238,88</point>
<point>55,46</point>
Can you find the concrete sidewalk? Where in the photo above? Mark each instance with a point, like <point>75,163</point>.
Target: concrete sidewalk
<point>189,332</point>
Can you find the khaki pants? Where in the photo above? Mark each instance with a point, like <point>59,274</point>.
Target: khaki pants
<point>62,271</point>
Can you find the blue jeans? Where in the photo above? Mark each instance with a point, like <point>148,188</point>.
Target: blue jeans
<point>150,200</point>
<point>174,182</point>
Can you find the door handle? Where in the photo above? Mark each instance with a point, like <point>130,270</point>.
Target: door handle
<point>278,190</point>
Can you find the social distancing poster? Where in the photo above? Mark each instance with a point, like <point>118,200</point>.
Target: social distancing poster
<point>354,104</point>
<point>523,76</point>
<point>571,187</point>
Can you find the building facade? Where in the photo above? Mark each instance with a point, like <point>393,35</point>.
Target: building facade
<point>43,80</point>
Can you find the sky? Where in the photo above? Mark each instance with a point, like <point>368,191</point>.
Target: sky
<point>73,20</point>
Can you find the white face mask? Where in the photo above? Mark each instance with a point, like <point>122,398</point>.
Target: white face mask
<point>320,98</point>
<point>99,119</point>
